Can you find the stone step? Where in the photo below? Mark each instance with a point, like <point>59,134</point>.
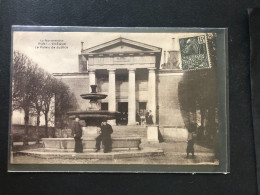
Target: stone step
<point>40,152</point>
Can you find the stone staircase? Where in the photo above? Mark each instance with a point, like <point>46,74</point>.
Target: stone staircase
<point>129,131</point>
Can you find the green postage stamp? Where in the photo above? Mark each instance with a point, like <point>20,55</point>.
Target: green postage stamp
<point>194,53</point>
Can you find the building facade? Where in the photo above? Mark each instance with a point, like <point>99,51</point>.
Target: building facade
<point>129,72</point>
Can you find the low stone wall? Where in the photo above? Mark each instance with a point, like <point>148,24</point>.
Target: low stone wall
<point>171,133</point>
<point>17,132</point>
<point>69,143</point>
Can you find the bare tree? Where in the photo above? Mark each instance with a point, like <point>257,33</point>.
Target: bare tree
<point>64,102</point>
<point>23,86</point>
<point>48,94</point>
<point>34,90</point>
<point>37,102</point>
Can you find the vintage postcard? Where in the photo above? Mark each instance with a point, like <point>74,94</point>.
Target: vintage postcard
<point>118,99</point>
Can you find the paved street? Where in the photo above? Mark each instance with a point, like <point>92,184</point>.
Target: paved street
<point>174,153</point>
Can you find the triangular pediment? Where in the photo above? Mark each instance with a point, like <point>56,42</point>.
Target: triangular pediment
<point>121,45</point>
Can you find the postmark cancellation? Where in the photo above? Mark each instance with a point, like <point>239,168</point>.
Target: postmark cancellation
<point>194,53</point>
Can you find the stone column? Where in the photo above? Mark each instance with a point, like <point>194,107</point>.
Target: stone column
<point>92,78</point>
<point>131,97</point>
<point>112,93</point>
<point>152,92</point>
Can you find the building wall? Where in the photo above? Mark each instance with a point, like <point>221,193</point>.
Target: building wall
<point>122,90</point>
<point>169,113</point>
<point>167,99</point>
<point>121,62</point>
<point>78,84</point>
<point>18,117</point>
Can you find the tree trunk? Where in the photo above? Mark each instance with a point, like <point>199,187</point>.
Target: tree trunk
<point>211,122</point>
<point>37,128</point>
<point>203,122</point>
<point>46,124</point>
<point>26,127</point>
<point>202,119</point>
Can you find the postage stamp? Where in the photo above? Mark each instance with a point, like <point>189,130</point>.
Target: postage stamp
<point>194,53</point>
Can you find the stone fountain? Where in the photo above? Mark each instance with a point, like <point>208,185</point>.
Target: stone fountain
<point>94,115</point>
<point>122,147</point>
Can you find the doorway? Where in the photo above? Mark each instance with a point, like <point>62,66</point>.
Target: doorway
<point>123,113</point>
<point>123,107</point>
<point>142,108</point>
<point>142,112</point>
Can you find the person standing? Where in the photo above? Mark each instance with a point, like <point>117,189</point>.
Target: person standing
<point>77,134</point>
<point>149,120</point>
<point>190,140</point>
<point>138,118</point>
<point>147,117</point>
<point>105,137</point>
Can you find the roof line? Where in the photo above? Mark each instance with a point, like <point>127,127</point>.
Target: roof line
<point>100,44</point>
<point>120,38</point>
<point>142,43</point>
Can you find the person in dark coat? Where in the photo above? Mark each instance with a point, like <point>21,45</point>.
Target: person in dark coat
<point>77,134</point>
<point>191,140</point>
<point>149,118</point>
<point>105,137</point>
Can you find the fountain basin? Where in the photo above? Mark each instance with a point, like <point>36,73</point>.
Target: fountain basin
<point>92,114</point>
<point>93,96</point>
<point>93,117</point>
<point>68,144</point>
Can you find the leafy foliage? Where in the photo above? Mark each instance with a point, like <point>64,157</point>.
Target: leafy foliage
<point>198,95</point>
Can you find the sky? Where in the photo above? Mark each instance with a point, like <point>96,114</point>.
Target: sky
<point>66,60</point>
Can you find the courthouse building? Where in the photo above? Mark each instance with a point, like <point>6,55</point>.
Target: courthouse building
<point>130,73</point>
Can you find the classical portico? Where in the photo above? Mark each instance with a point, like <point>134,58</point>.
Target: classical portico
<point>133,63</point>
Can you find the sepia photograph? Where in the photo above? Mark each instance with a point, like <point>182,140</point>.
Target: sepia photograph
<point>119,96</point>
